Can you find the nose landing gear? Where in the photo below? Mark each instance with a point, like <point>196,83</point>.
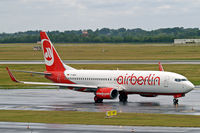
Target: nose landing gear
<point>175,101</point>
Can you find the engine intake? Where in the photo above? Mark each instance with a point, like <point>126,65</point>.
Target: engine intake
<point>107,93</point>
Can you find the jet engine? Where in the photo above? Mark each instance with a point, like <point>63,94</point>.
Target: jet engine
<point>106,93</point>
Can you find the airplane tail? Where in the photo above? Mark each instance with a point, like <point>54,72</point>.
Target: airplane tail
<point>51,57</point>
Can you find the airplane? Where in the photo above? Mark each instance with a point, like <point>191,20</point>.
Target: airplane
<point>108,84</point>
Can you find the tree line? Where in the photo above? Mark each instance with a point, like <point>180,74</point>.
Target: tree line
<point>105,35</point>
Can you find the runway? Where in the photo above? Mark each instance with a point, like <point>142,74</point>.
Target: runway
<point>52,99</point>
<point>17,127</point>
<point>106,62</point>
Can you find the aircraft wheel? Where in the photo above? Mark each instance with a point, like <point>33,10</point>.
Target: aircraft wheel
<point>175,101</point>
<point>123,97</point>
<point>98,100</point>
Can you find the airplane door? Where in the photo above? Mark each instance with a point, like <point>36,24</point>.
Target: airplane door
<point>166,82</point>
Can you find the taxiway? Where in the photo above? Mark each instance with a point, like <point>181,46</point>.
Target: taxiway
<point>52,99</point>
<point>17,127</point>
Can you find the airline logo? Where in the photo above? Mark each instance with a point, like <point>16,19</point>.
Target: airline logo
<point>48,53</point>
<point>150,79</point>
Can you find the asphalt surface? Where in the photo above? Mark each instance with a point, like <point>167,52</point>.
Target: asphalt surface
<point>52,99</point>
<point>106,62</point>
<point>17,127</point>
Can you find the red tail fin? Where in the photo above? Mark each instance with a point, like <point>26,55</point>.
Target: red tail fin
<point>51,57</point>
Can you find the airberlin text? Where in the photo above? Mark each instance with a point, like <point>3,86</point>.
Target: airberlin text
<point>150,79</point>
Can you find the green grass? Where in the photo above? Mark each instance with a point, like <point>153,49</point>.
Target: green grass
<point>192,72</point>
<point>103,52</point>
<point>98,118</point>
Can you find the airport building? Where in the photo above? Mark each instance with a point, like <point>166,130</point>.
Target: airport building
<point>186,41</point>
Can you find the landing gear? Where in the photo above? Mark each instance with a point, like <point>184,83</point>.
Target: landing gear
<point>175,101</point>
<point>123,97</point>
<point>98,100</point>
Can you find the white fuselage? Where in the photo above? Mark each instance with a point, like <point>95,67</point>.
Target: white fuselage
<point>154,82</point>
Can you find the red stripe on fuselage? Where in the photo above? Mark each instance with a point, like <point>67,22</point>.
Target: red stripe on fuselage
<point>154,93</point>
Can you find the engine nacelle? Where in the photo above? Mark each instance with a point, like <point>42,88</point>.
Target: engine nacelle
<point>106,93</point>
<point>148,95</point>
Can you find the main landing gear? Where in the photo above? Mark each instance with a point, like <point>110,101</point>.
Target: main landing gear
<point>175,101</point>
<point>123,97</point>
<point>98,100</point>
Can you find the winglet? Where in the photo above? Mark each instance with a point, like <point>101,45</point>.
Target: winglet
<point>160,67</point>
<point>11,75</point>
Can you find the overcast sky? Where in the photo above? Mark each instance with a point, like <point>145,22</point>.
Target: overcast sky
<point>23,15</point>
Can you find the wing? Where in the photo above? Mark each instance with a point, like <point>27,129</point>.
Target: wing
<point>40,73</point>
<point>77,87</point>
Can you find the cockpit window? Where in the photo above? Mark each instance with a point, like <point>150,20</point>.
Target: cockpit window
<point>179,80</point>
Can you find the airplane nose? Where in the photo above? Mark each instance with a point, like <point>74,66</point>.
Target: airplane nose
<point>190,86</point>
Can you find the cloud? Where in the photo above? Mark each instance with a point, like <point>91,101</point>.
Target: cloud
<point>22,15</point>
<point>164,7</point>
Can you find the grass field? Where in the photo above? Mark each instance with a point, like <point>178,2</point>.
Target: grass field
<point>103,52</point>
<point>192,72</point>
<point>98,118</point>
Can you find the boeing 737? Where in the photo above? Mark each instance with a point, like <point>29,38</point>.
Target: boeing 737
<point>108,84</point>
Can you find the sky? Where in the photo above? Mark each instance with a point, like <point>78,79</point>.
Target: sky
<point>50,15</point>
